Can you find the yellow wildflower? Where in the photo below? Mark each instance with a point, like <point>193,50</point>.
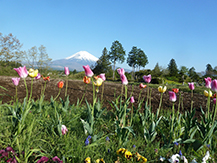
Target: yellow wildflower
<point>87,160</point>
<point>128,154</point>
<point>100,160</point>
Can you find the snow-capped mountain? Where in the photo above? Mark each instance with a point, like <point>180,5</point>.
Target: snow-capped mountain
<point>75,61</point>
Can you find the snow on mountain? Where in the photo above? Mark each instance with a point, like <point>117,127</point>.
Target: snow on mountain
<point>83,55</point>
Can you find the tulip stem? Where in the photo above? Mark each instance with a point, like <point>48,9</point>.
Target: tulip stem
<point>57,94</point>
<point>150,97</point>
<point>132,91</point>
<point>214,113</point>
<point>66,86</point>
<point>26,88</point>
<point>125,92</point>
<point>179,102</point>
<point>31,90</point>
<point>191,100</point>
<point>102,92</point>
<point>158,111</point>
<point>140,95</point>
<point>208,103</point>
<point>16,95</point>
<point>94,100</point>
<point>83,95</point>
<point>131,115</point>
<point>147,93</point>
<point>172,118</point>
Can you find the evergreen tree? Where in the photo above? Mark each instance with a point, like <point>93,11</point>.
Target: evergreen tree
<point>156,71</point>
<point>142,59</point>
<point>102,65</point>
<point>172,67</point>
<point>116,54</point>
<point>209,69</point>
<point>132,60</point>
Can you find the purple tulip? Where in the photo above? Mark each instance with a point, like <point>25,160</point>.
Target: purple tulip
<point>64,129</point>
<point>38,76</point>
<point>214,85</point>
<point>191,85</point>
<point>88,71</point>
<point>214,100</point>
<point>147,78</point>
<point>121,71</point>
<point>132,100</point>
<point>66,70</point>
<point>22,71</point>
<point>15,81</point>
<point>56,159</point>
<point>102,76</point>
<point>43,159</point>
<point>208,81</point>
<point>172,96</point>
<point>124,80</point>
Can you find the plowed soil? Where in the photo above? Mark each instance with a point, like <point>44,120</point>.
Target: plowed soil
<point>76,89</point>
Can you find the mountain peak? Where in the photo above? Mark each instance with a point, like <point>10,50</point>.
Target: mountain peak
<point>83,55</point>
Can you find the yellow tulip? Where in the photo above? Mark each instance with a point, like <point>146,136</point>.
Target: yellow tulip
<point>33,73</point>
<point>161,89</point>
<point>87,160</point>
<point>207,94</point>
<point>98,82</point>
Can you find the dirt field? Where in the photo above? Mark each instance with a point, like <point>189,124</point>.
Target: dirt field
<point>76,89</point>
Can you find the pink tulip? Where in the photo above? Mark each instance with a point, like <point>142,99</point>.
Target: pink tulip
<point>22,71</point>
<point>66,70</point>
<point>56,159</point>
<point>64,129</point>
<point>132,100</point>
<point>15,81</point>
<point>102,76</point>
<point>214,85</point>
<point>88,71</point>
<point>172,96</point>
<point>147,78</point>
<point>214,100</point>
<point>124,79</point>
<point>208,81</point>
<point>121,71</point>
<point>38,76</point>
<point>191,85</point>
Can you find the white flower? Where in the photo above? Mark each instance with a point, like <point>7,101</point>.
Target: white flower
<point>206,157</point>
<point>184,159</point>
<point>194,161</point>
<point>174,158</point>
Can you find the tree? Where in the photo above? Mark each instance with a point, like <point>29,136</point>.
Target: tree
<point>102,65</point>
<point>142,59</point>
<point>193,75</point>
<point>156,71</point>
<point>37,58</point>
<point>172,67</point>
<point>10,48</point>
<point>116,54</point>
<point>209,69</point>
<point>183,73</point>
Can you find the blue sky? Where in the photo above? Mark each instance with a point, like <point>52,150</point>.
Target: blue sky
<point>185,30</point>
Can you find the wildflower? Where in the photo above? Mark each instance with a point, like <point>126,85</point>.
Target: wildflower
<point>208,145</point>
<point>206,157</point>
<point>141,86</point>
<point>174,158</point>
<point>156,150</point>
<point>60,84</point>
<point>87,142</point>
<point>144,159</point>
<point>88,71</point>
<point>100,160</point>
<point>180,153</point>
<point>38,76</point>
<point>175,90</point>
<point>15,81</point>
<point>33,73</point>
<point>10,149</point>
<point>207,94</point>
<point>86,80</point>
<point>134,146</point>
<point>194,161</point>
<point>175,143</point>
<point>191,86</point>
<point>102,76</point>
<point>46,78</point>
<point>109,150</point>
<point>64,129</point>
<point>121,71</point>
<point>107,138</point>
<point>162,158</point>
<point>121,150</point>
<point>12,160</point>
<point>89,137</point>
<point>208,81</point>
<point>43,159</point>
<point>161,89</point>
<point>124,80</point>
<point>98,82</point>
<point>128,154</point>
<point>172,96</point>
<point>66,71</point>
<point>132,100</point>
<point>147,78</point>
<point>56,159</point>
<point>138,156</point>
<point>87,160</point>
<point>214,85</point>
<point>22,71</point>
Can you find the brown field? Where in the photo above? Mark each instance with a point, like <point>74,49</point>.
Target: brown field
<point>76,89</point>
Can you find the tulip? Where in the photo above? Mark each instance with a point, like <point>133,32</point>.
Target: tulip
<point>15,81</point>
<point>43,159</point>
<point>22,72</point>
<point>38,76</point>
<point>141,86</point>
<point>214,96</point>
<point>161,89</point>
<point>175,90</point>
<point>214,100</point>
<point>98,82</point>
<point>88,71</point>
<point>56,159</point>
<point>33,73</point>
<point>147,78</point>
<point>124,80</point>
<point>66,71</point>
<point>102,76</point>
<point>121,71</point>
<point>132,100</point>
<point>46,78</point>
<point>86,80</point>
<point>214,85</point>
<point>64,129</point>
<point>208,81</point>
<point>207,94</point>
<point>172,96</point>
<point>60,85</point>
<point>191,85</point>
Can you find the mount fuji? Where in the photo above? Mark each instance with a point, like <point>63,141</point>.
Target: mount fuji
<point>75,61</point>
